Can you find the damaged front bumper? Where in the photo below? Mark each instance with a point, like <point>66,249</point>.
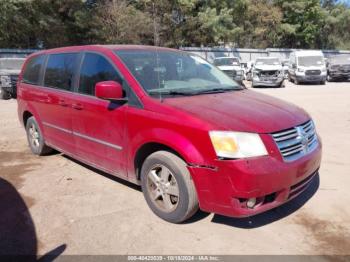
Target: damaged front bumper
<point>268,81</point>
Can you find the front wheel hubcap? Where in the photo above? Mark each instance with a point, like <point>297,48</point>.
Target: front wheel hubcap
<point>34,136</point>
<point>163,188</point>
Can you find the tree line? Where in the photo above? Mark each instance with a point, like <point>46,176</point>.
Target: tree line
<point>174,23</point>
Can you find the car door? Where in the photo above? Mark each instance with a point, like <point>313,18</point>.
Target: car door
<point>55,109</point>
<point>99,125</point>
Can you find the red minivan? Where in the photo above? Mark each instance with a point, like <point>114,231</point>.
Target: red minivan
<point>171,122</point>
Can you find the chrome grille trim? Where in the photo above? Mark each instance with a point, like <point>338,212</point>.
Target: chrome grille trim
<point>296,142</point>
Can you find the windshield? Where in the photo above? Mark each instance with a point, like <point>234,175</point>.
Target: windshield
<point>310,60</point>
<point>175,73</point>
<point>226,61</point>
<point>268,61</point>
<point>11,64</point>
<point>340,59</point>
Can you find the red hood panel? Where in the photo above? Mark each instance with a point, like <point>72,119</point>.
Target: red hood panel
<point>246,110</point>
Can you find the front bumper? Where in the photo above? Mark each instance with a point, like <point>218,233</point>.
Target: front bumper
<point>311,78</point>
<point>337,74</point>
<point>238,78</point>
<point>272,82</point>
<point>269,179</point>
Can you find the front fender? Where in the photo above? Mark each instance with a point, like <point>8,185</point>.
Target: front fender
<point>177,142</point>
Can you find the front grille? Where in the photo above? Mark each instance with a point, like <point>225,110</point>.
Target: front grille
<point>312,72</point>
<point>273,73</point>
<point>230,73</point>
<point>345,68</point>
<point>296,142</point>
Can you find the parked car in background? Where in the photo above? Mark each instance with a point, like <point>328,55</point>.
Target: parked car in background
<point>248,72</point>
<point>9,71</point>
<point>171,122</point>
<point>307,66</point>
<point>244,67</point>
<point>231,67</point>
<point>267,71</point>
<point>285,67</point>
<point>338,67</point>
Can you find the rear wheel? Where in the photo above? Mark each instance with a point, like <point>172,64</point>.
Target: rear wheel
<point>4,95</point>
<point>35,138</point>
<point>168,187</point>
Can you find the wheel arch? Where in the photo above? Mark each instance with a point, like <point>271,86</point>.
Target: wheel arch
<point>146,150</point>
<point>178,145</point>
<point>25,116</point>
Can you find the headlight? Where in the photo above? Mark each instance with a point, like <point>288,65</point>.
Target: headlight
<point>324,70</point>
<point>256,73</point>
<point>301,70</point>
<point>229,144</point>
<point>239,72</point>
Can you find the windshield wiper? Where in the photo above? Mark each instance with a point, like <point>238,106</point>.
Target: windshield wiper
<point>171,92</point>
<point>217,90</point>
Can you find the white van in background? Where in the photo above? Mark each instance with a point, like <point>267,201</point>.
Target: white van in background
<point>307,66</point>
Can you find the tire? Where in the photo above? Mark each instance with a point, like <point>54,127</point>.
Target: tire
<point>329,78</point>
<point>162,170</point>
<point>35,138</point>
<point>323,82</point>
<point>4,95</point>
<point>296,82</point>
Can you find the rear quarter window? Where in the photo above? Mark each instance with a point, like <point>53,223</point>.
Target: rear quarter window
<point>31,74</point>
<point>59,71</point>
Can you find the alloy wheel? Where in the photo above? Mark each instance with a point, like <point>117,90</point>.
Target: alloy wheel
<point>163,188</point>
<point>34,136</point>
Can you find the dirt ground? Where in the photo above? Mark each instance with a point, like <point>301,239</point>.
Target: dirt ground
<point>54,204</point>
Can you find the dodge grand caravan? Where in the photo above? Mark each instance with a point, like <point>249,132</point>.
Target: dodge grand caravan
<point>171,122</point>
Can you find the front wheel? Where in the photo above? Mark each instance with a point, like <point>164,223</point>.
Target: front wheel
<point>168,187</point>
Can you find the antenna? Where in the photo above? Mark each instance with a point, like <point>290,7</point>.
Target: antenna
<point>158,72</point>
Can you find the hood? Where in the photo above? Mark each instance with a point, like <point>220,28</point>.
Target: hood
<point>8,72</point>
<point>244,110</point>
<point>230,67</point>
<point>268,67</point>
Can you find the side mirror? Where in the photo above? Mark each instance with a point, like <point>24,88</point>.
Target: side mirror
<point>294,66</point>
<point>109,90</point>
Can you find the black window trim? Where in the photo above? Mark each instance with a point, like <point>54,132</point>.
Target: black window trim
<point>128,89</point>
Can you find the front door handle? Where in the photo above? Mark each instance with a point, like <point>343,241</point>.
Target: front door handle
<point>77,106</point>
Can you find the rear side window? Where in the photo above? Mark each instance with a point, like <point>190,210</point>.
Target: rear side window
<point>31,72</point>
<point>95,68</point>
<point>60,71</point>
